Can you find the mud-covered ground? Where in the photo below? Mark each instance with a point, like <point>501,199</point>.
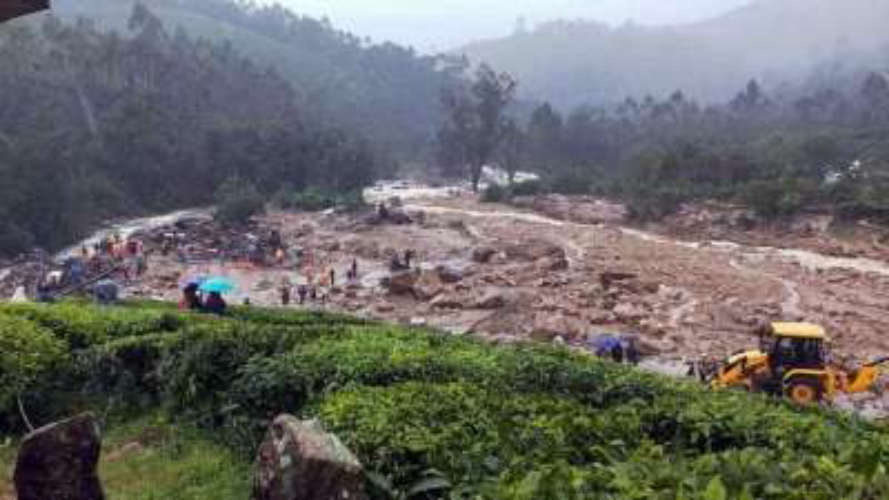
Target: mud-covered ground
<point>566,270</point>
<point>549,277</point>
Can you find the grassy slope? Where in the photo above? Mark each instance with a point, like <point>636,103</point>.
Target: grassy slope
<point>432,413</point>
<point>172,462</point>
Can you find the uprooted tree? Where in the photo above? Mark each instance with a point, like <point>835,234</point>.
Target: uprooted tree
<point>475,124</point>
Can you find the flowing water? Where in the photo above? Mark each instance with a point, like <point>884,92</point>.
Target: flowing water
<point>129,227</point>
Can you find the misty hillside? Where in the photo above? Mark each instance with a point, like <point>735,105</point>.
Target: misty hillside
<point>341,77</point>
<point>776,41</point>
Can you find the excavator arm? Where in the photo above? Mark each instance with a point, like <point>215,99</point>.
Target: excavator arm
<point>739,370</point>
<point>863,379</point>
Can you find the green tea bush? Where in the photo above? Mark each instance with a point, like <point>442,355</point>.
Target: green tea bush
<point>204,360</point>
<point>476,437</point>
<point>492,444</point>
<point>27,351</point>
<point>84,325</point>
<point>283,317</point>
<point>437,416</point>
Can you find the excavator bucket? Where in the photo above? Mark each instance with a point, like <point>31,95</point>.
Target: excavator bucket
<point>10,9</point>
<point>864,378</point>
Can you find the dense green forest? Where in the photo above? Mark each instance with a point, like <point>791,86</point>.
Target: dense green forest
<point>338,76</point>
<point>96,123</point>
<point>821,147</point>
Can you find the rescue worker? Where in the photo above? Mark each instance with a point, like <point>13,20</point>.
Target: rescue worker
<point>215,304</point>
<point>190,299</point>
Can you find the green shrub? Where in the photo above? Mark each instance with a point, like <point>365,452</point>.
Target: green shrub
<point>314,199</point>
<point>472,435</point>
<point>237,200</point>
<point>488,443</point>
<point>528,188</point>
<point>654,204</point>
<point>779,197</point>
<point>84,325</point>
<point>27,351</point>
<point>495,193</point>
<point>204,360</point>
<point>576,181</point>
<point>437,416</point>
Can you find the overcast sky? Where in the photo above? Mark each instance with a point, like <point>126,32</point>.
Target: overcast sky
<point>444,24</point>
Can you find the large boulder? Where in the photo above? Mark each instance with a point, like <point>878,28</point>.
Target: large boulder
<point>627,312</point>
<point>547,327</point>
<point>553,263</point>
<point>449,274</point>
<point>402,283</point>
<point>483,255</point>
<point>428,286</point>
<point>447,301</point>
<point>298,460</point>
<point>535,249</point>
<point>59,461</point>
<point>493,299</point>
<point>608,278</point>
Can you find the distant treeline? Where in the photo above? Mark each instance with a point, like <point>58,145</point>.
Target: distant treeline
<point>779,154</point>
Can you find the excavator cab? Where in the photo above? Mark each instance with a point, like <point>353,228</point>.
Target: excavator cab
<point>796,345</point>
<point>793,360</point>
<point>797,361</point>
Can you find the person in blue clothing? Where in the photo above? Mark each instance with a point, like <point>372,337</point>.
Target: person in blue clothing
<point>619,349</point>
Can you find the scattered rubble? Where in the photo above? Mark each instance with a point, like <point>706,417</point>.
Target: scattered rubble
<point>569,270</point>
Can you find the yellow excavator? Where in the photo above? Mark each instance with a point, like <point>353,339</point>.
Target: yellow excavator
<point>793,360</point>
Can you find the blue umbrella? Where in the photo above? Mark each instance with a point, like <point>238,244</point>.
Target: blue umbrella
<point>605,343</point>
<point>218,284</point>
<point>196,280</point>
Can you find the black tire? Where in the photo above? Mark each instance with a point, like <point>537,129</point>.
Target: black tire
<point>804,391</point>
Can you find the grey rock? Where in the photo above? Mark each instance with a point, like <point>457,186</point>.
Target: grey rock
<point>298,460</point>
<point>59,462</point>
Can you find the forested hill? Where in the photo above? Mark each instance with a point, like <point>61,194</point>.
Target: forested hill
<point>776,41</point>
<point>387,91</point>
<point>95,125</point>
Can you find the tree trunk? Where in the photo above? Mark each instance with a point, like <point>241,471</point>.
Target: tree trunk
<point>476,172</point>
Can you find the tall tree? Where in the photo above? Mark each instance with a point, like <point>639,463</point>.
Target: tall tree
<point>475,120</point>
<point>512,154</point>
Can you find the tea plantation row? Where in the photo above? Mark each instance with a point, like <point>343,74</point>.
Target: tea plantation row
<point>434,416</point>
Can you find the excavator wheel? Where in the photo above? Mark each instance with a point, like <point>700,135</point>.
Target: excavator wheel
<point>803,391</point>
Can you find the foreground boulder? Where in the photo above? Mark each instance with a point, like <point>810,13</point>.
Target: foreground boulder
<point>299,461</point>
<point>58,462</point>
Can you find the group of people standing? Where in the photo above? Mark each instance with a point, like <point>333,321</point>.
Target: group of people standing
<point>128,255</point>
<point>310,291</point>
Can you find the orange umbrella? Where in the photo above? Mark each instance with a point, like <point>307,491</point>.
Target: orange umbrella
<point>10,9</point>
